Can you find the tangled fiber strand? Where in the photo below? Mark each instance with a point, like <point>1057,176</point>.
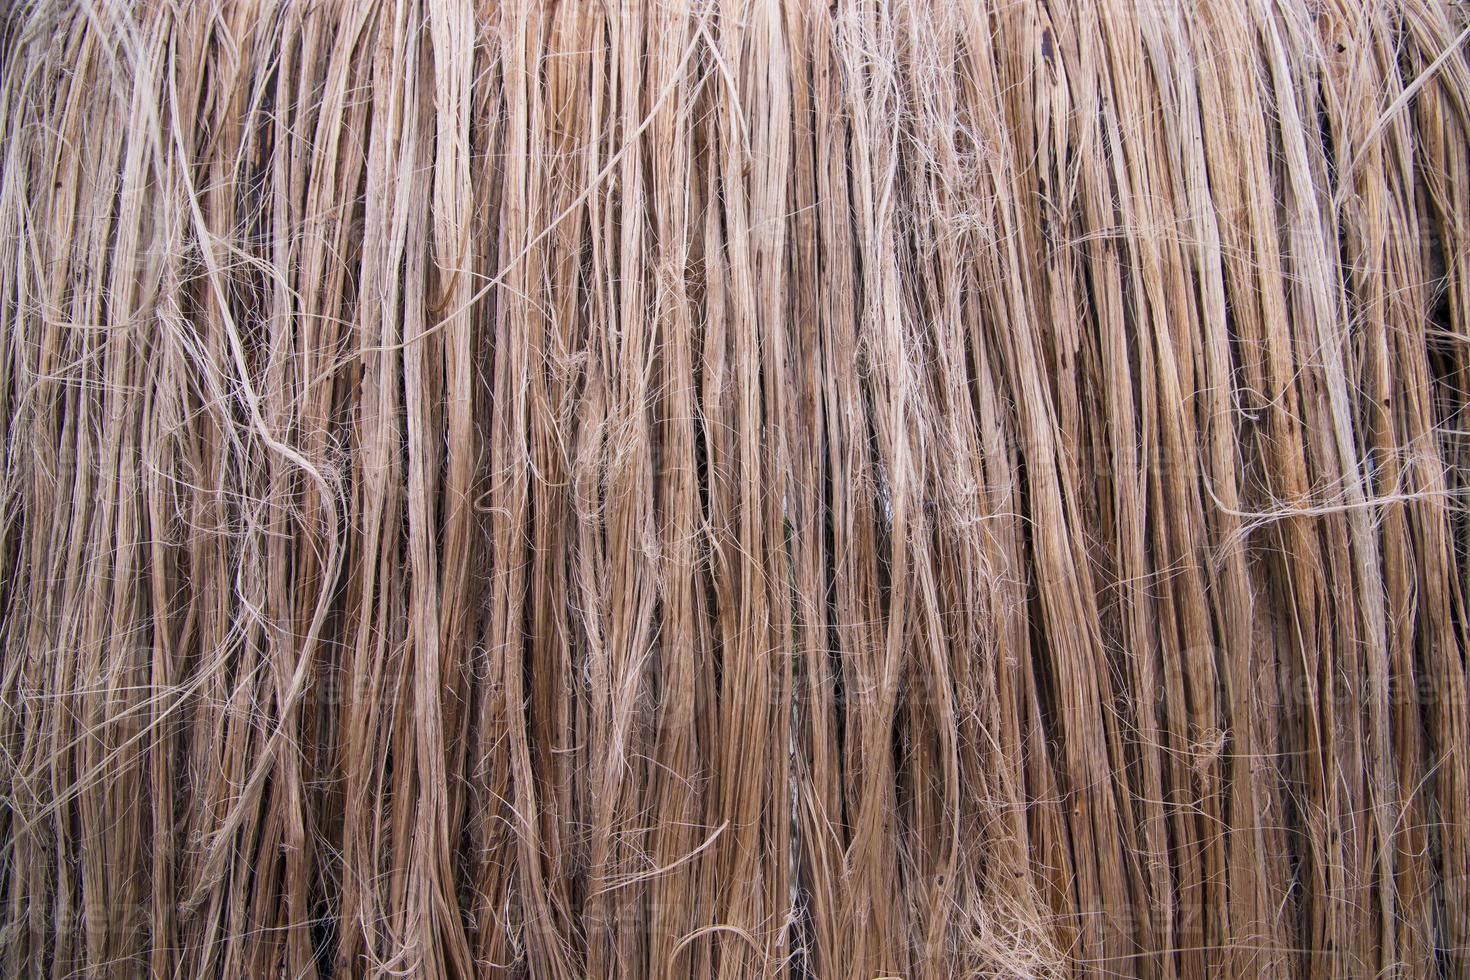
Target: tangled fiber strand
<point>734,488</point>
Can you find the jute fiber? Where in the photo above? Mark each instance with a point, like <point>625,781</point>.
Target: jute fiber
<point>734,488</point>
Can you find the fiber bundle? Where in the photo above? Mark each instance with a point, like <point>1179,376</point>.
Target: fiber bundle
<point>734,488</point>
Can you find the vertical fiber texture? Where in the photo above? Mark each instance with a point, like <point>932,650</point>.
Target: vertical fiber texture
<point>727,488</point>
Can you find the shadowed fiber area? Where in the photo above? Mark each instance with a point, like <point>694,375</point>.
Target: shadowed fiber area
<point>734,488</point>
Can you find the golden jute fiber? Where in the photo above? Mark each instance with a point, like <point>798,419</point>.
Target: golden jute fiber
<point>734,488</point>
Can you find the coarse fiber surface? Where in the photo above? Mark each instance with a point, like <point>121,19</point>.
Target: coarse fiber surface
<point>734,488</point>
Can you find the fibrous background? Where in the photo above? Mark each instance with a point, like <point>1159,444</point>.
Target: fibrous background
<point>734,488</point>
